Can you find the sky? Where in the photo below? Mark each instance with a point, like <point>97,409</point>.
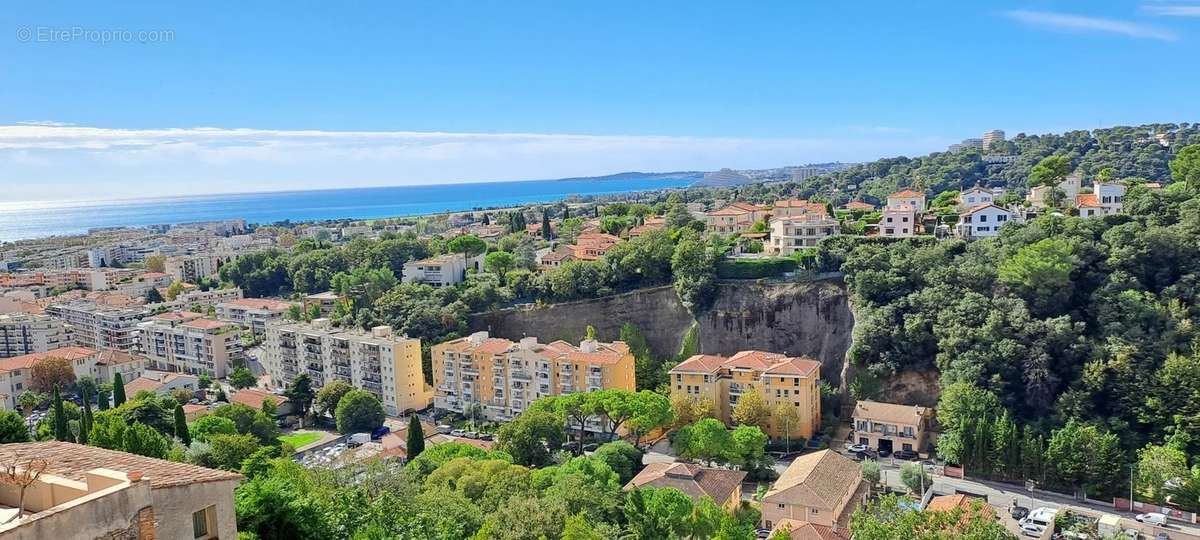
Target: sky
<point>106,100</point>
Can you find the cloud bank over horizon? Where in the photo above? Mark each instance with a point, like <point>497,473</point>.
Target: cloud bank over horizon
<point>48,160</point>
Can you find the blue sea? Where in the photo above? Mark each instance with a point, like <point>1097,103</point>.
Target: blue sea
<point>19,221</point>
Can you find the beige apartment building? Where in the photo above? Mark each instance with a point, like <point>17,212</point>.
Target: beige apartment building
<point>898,222</point>
<point>378,361</point>
<point>798,224</point>
<point>738,217</point>
<point>16,372</point>
<point>891,427</point>
<point>326,302</point>
<point>777,378</point>
<point>22,333</point>
<point>822,488</point>
<point>100,327</point>
<point>505,377</point>
<point>186,342</point>
<point>88,493</point>
<point>907,197</point>
<point>253,313</point>
<point>191,268</point>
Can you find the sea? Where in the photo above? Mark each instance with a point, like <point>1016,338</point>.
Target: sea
<point>38,219</point>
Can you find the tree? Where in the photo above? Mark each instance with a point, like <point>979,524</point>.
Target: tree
<point>85,422</point>
<point>87,387</point>
<point>966,413</point>
<point>241,377</point>
<point>1041,273</point>
<point>1186,167</point>
<point>21,476</point>
<point>578,528</point>
<point>654,513</point>
<point>300,393</point>
<point>623,458</point>
<point>29,400</point>
<point>870,473</point>
<point>12,428</point>
<point>174,290</point>
<point>469,245</point>
<point>61,432</point>
<point>499,263</point>
<point>689,410</point>
<point>1158,465</point>
<point>547,232</point>
<point>1050,171</point>
<point>155,263</point>
<point>1006,448</point>
<point>181,427</point>
<point>329,396</point>
<point>1081,456</point>
<point>359,411</point>
<point>415,437</point>
<point>118,390</point>
<point>532,437</point>
<point>914,477</point>
<point>751,410</point>
<point>229,452</point>
<point>785,416</point>
<point>153,296</point>
<point>888,519</point>
<point>51,373</point>
<point>212,424</point>
<point>706,440</point>
<point>694,270</point>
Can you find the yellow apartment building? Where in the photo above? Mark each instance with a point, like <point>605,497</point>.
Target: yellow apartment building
<point>777,378</point>
<point>504,377</point>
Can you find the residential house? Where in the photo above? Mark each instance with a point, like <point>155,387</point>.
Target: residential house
<point>1070,187</point>
<point>650,224</point>
<point>974,197</point>
<point>983,221</point>
<point>441,271</point>
<point>738,217</point>
<point>796,225</point>
<point>16,373</point>
<point>109,363</point>
<point>87,492</point>
<point>968,504</point>
<point>907,197</point>
<point>723,486</point>
<point>891,427</point>
<point>822,488</point>
<point>592,246</point>
<point>803,530</point>
<point>898,222</point>
<point>859,206</point>
<point>779,379</point>
<point>162,382</point>
<point>1088,205</point>
<point>254,398</point>
<point>556,257</point>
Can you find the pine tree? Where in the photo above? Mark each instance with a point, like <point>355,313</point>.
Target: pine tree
<point>61,431</point>
<point>118,390</point>
<point>416,437</point>
<point>1033,451</point>
<point>181,427</point>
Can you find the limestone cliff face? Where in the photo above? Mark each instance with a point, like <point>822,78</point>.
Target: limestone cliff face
<point>798,318</point>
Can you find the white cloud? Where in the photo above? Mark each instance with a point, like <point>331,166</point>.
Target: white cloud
<point>46,161</point>
<point>1079,23</point>
<point>1172,9</point>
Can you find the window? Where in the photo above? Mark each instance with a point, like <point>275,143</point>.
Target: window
<point>983,218</point>
<point>815,511</point>
<point>201,520</point>
<point>781,505</point>
<point>1001,218</point>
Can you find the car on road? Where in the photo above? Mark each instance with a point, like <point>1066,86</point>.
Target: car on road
<point>1152,518</point>
<point>457,433</point>
<point>856,448</point>
<point>1161,536</point>
<point>1018,512</point>
<point>884,452</point>
<point>907,455</point>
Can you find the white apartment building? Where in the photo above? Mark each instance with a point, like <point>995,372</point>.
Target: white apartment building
<point>898,222</point>
<point>983,221</point>
<point>191,268</point>
<point>22,333</point>
<point>995,135</point>
<point>186,342</point>
<point>796,225</point>
<point>253,313</point>
<point>441,271</point>
<point>196,299</point>
<point>380,362</point>
<point>907,197</point>
<point>100,327</point>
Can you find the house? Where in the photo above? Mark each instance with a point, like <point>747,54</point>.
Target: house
<point>109,363</point>
<point>974,197</point>
<point>737,217</point>
<point>803,530</point>
<point>1111,196</point>
<point>650,224</point>
<point>723,486</point>
<point>890,426</point>
<point>1088,205</point>
<point>193,411</point>
<point>983,221</point>
<point>16,372</point>
<point>88,492</point>
<point>898,222</point>
<point>907,197</point>
<point>254,398</point>
<point>441,271</point>
<point>592,246</point>
<point>822,488</point>
<point>950,503</point>
<point>556,257</point>
<point>796,225</point>
<point>1070,187</point>
<point>162,382</point>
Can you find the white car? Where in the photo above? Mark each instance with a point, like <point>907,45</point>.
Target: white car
<point>1152,518</point>
<point>1037,521</point>
<point>856,448</point>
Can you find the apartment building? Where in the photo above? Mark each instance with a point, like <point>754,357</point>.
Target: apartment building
<point>326,302</point>
<point>505,377</point>
<point>796,225</point>
<point>253,313</point>
<point>735,218</point>
<point>197,299</point>
<point>907,197</point>
<point>777,378</point>
<point>88,493</point>
<point>378,361</point>
<point>441,271</point>
<point>974,197</point>
<point>898,222</point>
<point>98,326</point>
<point>187,342</point>
<point>22,333</point>
<point>16,372</point>
<point>989,137</point>
<point>191,268</point>
<point>983,221</point>
<point>891,427</point>
<point>110,363</point>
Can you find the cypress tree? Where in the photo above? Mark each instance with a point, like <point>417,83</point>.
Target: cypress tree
<point>416,437</point>
<point>566,212</point>
<point>85,424</point>
<point>546,232</point>
<point>61,431</point>
<point>181,427</point>
<point>118,390</point>
<point>487,220</point>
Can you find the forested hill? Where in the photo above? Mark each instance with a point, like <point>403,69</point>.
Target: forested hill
<point>1139,151</point>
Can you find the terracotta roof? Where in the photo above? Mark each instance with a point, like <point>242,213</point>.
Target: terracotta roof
<point>803,530</point>
<point>493,346</point>
<point>757,360</point>
<point>803,367</point>
<point>259,303</point>
<point>27,361</point>
<point>949,503</point>
<point>72,461</point>
<point>142,383</point>
<point>767,362</point>
<point>1087,200</point>
<point>110,357</point>
<point>254,398</point>
<point>701,363</point>
<point>821,479</point>
<point>907,193</point>
<point>172,316</point>
<point>693,480</point>
<point>194,407</point>
<point>890,412</point>
<point>981,207</point>
<point>736,209</point>
<point>859,205</point>
<point>206,324</point>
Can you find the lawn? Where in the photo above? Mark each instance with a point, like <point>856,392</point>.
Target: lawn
<point>298,440</point>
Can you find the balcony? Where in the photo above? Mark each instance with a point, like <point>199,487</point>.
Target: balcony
<point>736,389</point>
<point>520,376</point>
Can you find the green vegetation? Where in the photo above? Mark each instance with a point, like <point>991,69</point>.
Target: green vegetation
<point>300,440</point>
<point>887,519</point>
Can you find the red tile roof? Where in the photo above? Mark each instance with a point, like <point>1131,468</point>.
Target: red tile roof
<point>205,324</point>
<point>1087,200</point>
<point>803,367</point>
<point>803,530</point>
<point>859,205</point>
<point>72,461</point>
<point>112,358</point>
<point>492,346</point>
<point>907,193</point>
<point>260,303</point>
<point>27,361</point>
<point>693,480</point>
<point>981,207</point>
<point>702,363</point>
<point>254,398</point>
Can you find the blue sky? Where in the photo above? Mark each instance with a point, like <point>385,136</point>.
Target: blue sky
<point>105,101</point>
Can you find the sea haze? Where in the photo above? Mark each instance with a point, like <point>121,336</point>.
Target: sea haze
<point>19,221</point>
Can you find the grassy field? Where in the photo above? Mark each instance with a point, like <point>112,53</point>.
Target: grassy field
<point>298,440</point>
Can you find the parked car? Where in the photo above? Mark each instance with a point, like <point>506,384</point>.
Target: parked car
<point>1036,523</point>
<point>763,533</point>
<point>884,452</point>
<point>856,448</point>
<point>907,455</point>
<point>1152,518</point>
<point>471,434</point>
<point>1161,536</point>
<point>457,433</point>
<point>590,447</point>
<point>443,428</point>
<point>1018,512</point>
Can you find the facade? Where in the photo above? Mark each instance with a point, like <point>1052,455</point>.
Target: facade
<point>109,363</point>
<point>1070,187</point>
<point>505,377</point>
<point>555,258</point>
<point>198,300</point>
<point>983,221</point>
<point>88,492</point>
<point>190,268</point>
<point>378,361</point>
<point>724,486</point>
<point>898,222</point>
<point>974,197</point>
<point>16,372</point>
<point>907,197</point>
<point>889,426</point>
<point>24,334</point>
<point>995,135</point>
<point>592,246</point>
<point>736,218</point>
<point>796,225</point>
<point>161,382</point>
<point>100,327</point>
<point>777,378</point>
<point>326,302</point>
<point>1088,205</point>
<point>1111,196</point>
<point>820,488</point>
<point>186,342</point>
<point>441,271</point>
<point>253,313</point>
